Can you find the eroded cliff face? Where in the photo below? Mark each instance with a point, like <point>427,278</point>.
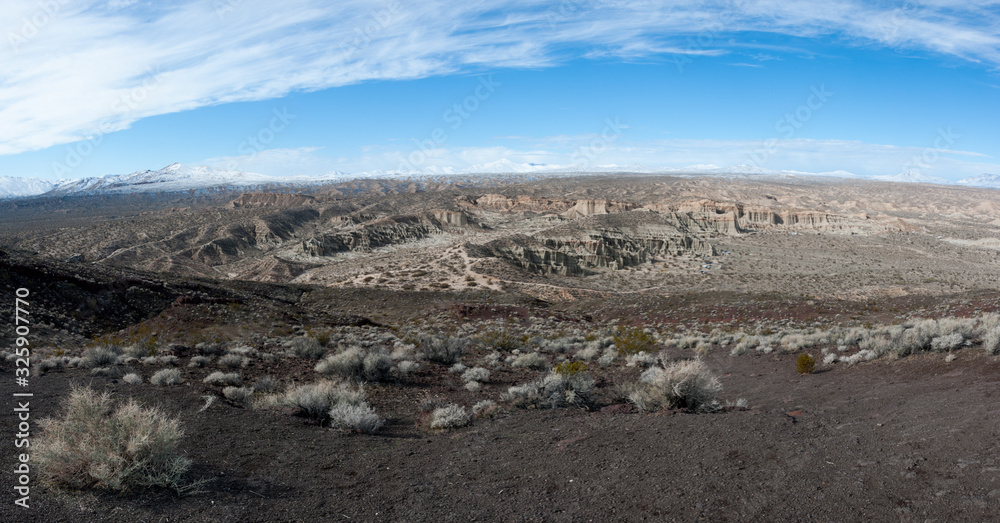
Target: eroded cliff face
<point>451,218</point>
<point>282,226</point>
<point>583,208</point>
<point>750,217</point>
<point>602,241</point>
<point>567,208</point>
<point>388,231</point>
<point>364,232</point>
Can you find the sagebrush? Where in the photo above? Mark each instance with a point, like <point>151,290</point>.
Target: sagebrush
<point>96,443</point>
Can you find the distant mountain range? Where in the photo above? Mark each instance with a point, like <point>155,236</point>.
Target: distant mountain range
<point>177,177</point>
<point>983,180</point>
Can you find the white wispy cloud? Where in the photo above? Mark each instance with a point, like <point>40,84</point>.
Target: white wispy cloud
<point>76,69</point>
<point>299,160</point>
<point>804,155</point>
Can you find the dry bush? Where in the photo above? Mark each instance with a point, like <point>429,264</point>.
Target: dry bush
<point>360,417</point>
<point>442,349</point>
<point>232,361</point>
<point>641,359</point>
<point>239,395</point>
<point>357,363</point>
<point>315,400</point>
<point>805,363</point>
<point>553,390</point>
<point>503,339</point>
<point>48,364</point>
<point>450,417</point>
<point>476,374</point>
<point>218,378</point>
<point>98,444</point>
<point>570,368</point>
<point>306,347</point>
<point>101,355</point>
<point>132,378</point>
<point>947,342</point>
<point>531,360</point>
<point>485,409</point>
<point>265,385</point>
<point>199,361</point>
<point>406,367</point>
<point>684,385</point>
<point>633,340</point>
<point>991,341</point>
<point>166,377</point>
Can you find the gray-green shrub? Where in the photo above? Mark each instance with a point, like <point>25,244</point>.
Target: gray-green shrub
<point>96,443</point>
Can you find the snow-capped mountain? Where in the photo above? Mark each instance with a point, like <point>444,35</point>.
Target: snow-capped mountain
<point>909,177</point>
<point>179,177</point>
<point>176,177</point>
<point>13,187</point>
<point>990,180</point>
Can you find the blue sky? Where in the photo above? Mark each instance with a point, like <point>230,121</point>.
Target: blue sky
<point>305,87</point>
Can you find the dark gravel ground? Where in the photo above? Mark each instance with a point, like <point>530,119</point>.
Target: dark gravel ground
<point>906,440</point>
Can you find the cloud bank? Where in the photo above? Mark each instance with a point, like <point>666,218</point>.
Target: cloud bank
<point>78,69</point>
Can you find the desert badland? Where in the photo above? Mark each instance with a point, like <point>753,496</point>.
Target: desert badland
<point>603,347</point>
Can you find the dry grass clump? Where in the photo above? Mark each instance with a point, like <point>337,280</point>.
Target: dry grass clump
<point>479,374</point>
<point>870,342</point>
<point>101,356</point>
<point>991,341</point>
<point>315,400</point>
<point>98,444</point>
<point>233,361</point>
<point>641,359</point>
<point>553,390</point>
<point>485,409</point>
<point>450,417</point>
<point>49,364</point>
<point>503,339</point>
<point>445,350</point>
<point>947,342</point>
<point>109,372</point>
<point>683,385</point>
<point>132,378</point>
<point>405,368</point>
<point>219,379</point>
<point>159,360</point>
<point>373,364</point>
<point>199,361</point>
<point>360,417</point>
<point>242,396</point>
<point>307,347</point>
<point>166,377</point>
<point>265,384</point>
<point>530,360</point>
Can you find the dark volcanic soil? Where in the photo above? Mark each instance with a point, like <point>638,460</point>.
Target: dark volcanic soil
<point>907,440</point>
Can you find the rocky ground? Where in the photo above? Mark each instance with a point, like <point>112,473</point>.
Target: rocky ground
<point>910,439</point>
